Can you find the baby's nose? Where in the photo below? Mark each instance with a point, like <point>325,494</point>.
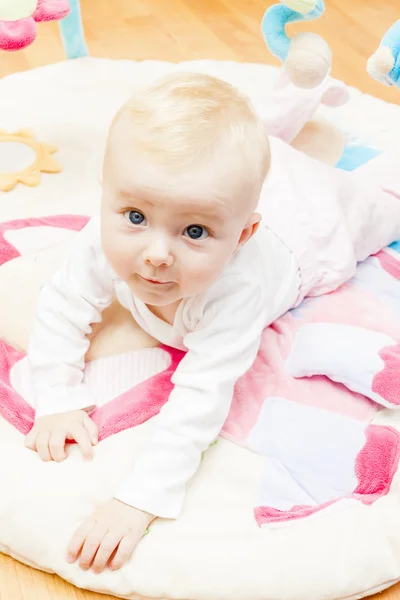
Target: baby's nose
<point>158,254</point>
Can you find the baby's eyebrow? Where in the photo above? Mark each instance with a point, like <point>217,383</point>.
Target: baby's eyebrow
<point>193,211</point>
<point>206,208</point>
<point>126,195</point>
<point>205,213</point>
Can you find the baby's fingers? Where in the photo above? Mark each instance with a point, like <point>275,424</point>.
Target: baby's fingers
<point>91,545</point>
<point>42,445</point>
<point>92,429</point>
<point>30,440</point>
<point>108,545</point>
<point>124,552</point>
<point>81,436</point>
<point>57,446</point>
<point>79,539</point>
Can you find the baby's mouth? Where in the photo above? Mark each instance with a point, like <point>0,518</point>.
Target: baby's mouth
<point>155,281</point>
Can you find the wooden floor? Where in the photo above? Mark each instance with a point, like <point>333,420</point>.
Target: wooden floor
<point>191,29</point>
<point>178,30</point>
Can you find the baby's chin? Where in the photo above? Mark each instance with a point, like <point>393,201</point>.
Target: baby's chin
<point>162,295</point>
<point>159,296</point>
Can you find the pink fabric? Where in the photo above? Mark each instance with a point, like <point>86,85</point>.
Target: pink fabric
<point>377,463</point>
<point>387,382</point>
<point>127,410</point>
<point>390,264</point>
<point>289,108</point>
<point>15,35</point>
<point>376,466</point>
<point>139,404</point>
<point>329,218</point>
<point>8,251</point>
<point>12,407</point>
<point>268,378</point>
<point>130,409</point>
<point>51,10</point>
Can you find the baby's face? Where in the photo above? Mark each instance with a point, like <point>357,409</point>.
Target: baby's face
<point>167,239</point>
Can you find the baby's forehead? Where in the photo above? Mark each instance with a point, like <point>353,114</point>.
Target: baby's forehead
<point>179,202</point>
<point>202,188</point>
<point>220,185</point>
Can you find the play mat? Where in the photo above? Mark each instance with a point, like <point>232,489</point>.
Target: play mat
<point>300,496</point>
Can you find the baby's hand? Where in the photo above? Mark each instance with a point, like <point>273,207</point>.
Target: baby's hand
<point>112,532</point>
<point>49,434</point>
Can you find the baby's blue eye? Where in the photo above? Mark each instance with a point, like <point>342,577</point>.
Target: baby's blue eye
<point>196,232</point>
<point>135,217</point>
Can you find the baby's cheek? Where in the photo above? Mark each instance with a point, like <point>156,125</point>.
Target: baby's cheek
<point>199,272</point>
<point>120,257</point>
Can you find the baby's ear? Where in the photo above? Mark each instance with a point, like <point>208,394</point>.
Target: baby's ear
<point>249,230</point>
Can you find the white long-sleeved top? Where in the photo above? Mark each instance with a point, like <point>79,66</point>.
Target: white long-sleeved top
<point>220,329</point>
<point>330,220</point>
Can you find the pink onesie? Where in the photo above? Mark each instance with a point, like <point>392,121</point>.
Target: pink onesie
<point>330,219</point>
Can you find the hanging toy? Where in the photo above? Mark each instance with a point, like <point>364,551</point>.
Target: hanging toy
<point>18,20</point>
<point>307,57</point>
<point>29,173</point>
<point>384,65</point>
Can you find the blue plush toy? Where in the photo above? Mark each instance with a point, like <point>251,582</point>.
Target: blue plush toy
<point>307,56</point>
<point>384,65</point>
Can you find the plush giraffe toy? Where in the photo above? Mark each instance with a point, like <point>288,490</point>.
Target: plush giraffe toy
<point>307,57</point>
<point>18,20</point>
<point>303,84</point>
<point>384,65</point>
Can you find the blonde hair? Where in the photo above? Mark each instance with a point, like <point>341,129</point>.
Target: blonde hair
<point>186,119</point>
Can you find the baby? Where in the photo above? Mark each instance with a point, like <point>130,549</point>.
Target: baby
<point>205,252</point>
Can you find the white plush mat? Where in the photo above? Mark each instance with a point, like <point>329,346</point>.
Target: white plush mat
<point>215,551</point>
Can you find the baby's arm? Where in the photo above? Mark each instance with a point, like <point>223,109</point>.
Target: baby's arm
<point>221,348</point>
<point>226,328</point>
<point>73,299</point>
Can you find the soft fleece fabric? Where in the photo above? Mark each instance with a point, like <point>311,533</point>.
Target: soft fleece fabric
<point>329,219</point>
<point>328,335</point>
<point>217,533</point>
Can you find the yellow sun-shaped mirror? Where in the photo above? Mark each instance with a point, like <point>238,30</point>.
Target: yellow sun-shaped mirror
<point>23,159</point>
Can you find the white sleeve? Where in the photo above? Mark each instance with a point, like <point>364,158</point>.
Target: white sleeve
<point>67,305</point>
<point>221,348</point>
